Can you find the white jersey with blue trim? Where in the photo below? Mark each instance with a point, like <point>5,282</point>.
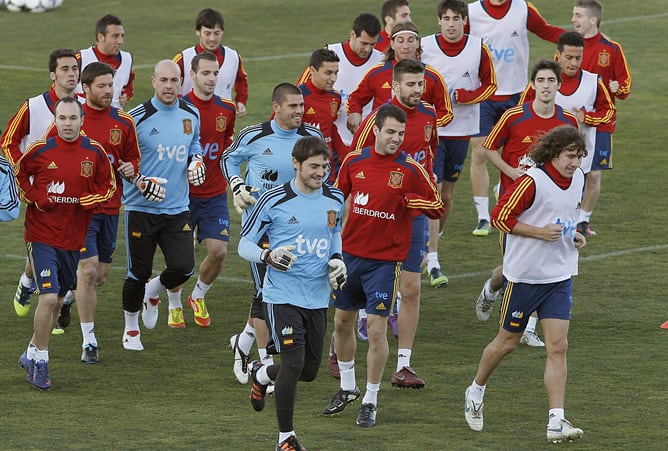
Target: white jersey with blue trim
<point>309,222</point>
<point>168,137</point>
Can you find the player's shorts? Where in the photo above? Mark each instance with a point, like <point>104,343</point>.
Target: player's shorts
<point>101,238</point>
<point>54,270</point>
<point>419,237</point>
<point>520,300</point>
<point>602,158</point>
<point>371,285</point>
<point>211,216</point>
<point>450,157</point>
<point>491,111</point>
<point>292,327</point>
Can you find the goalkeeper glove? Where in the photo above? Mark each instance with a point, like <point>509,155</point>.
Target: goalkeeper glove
<point>196,170</point>
<point>338,274</point>
<point>150,187</point>
<point>242,194</point>
<point>280,258</point>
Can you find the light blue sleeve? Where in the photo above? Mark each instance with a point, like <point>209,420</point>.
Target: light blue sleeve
<point>249,250</point>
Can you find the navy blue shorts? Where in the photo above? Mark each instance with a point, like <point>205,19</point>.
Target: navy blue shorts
<point>211,216</point>
<point>450,157</point>
<point>372,285</point>
<point>491,111</point>
<point>419,238</point>
<point>54,270</point>
<point>520,300</point>
<point>101,238</point>
<point>603,155</point>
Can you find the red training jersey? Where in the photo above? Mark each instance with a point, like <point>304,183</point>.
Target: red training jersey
<point>62,182</point>
<point>217,120</point>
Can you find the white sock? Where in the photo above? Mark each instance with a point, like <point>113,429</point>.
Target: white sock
<point>174,299</point>
<point>200,289</point>
<point>531,325</point>
<point>153,288</point>
<point>347,371</point>
<point>262,352</point>
<point>30,352</point>
<point>262,376</point>
<point>371,394</point>
<point>476,392</point>
<point>554,416</point>
<point>69,297</point>
<point>362,313</point>
<point>42,354</point>
<point>584,216</point>
<point>489,293</point>
<point>432,261</point>
<point>246,339</point>
<point>131,320</point>
<point>482,207</point>
<point>268,359</point>
<point>283,436</point>
<point>25,280</point>
<point>403,358</point>
<point>88,332</point>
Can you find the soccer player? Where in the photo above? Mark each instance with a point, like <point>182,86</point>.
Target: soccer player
<point>266,148</point>
<point>605,58</point>
<point>357,56</point>
<point>115,130</point>
<point>110,35</point>
<point>302,221</point>
<point>420,140</point>
<point>29,124</point>
<point>209,28</point>
<point>168,133</point>
<point>376,85</point>
<point>466,65</point>
<point>584,94</point>
<point>539,215</point>
<point>517,129</point>
<point>322,103</point>
<point>384,189</point>
<point>504,25</point>
<point>61,180</point>
<point>208,202</point>
<point>392,12</point>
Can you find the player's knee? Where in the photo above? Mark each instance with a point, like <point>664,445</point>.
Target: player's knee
<point>173,277</point>
<point>309,373</point>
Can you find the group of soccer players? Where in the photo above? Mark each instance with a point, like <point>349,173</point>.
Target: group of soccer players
<point>174,156</point>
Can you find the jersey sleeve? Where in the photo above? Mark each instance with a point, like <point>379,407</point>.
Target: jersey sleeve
<point>17,127</point>
<point>105,181</point>
<point>488,83</point>
<point>622,74</point>
<point>512,203</point>
<point>362,95</point>
<point>440,98</point>
<point>604,109</point>
<point>425,197</point>
<point>241,84</point>
<point>540,27</point>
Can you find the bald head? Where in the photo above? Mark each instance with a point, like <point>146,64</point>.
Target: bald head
<point>166,81</point>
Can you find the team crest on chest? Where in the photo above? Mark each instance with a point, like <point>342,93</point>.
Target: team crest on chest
<point>86,168</point>
<point>187,126</point>
<point>428,130</point>
<point>221,123</point>
<point>333,108</point>
<point>603,59</point>
<point>114,136</point>
<point>331,219</point>
<point>396,180</point>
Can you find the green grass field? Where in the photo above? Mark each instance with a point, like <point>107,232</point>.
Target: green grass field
<point>180,392</point>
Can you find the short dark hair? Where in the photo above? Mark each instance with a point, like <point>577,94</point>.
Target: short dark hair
<point>283,90</point>
<point>323,55</point>
<point>69,99</point>
<point>399,27</point>
<point>57,54</point>
<point>209,18</point>
<point>406,66</point>
<point>205,55</point>
<point>310,146</point>
<point>456,6</point>
<point>570,38</point>
<point>104,21</point>
<point>388,110</point>
<point>94,70</point>
<point>390,8</point>
<point>549,145</point>
<point>366,22</point>
<point>546,65</point>
<point>594,7</point>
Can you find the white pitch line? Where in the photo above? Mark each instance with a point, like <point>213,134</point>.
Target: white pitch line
<point>305,54</point>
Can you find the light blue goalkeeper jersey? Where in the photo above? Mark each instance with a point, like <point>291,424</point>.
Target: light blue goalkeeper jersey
<point>168,136</point>
<point>267,149</point>
<point>311,223</point>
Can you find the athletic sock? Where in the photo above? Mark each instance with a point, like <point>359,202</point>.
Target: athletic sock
<point>69,297</point>
<point>347,372</point>
<point>88,333</point>
<point>531,325</point>
<point>482,207</point>
<point>154,287</point>
<point>432,261</point>
<point>371,394</point>
<point>476,392</point>
<point>554,416</point>
<point>403,358</point>
<point>42,354</point>
<point>283,436</point>
<point>26,281</point>
<point>131,320</point>
<point>200,289</point>
<point>174,299</point>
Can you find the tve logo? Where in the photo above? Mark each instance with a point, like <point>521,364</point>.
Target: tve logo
<point>211,150</point>
<point>178,153</point>
<point>501,54</point>
<point>317,246</point>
